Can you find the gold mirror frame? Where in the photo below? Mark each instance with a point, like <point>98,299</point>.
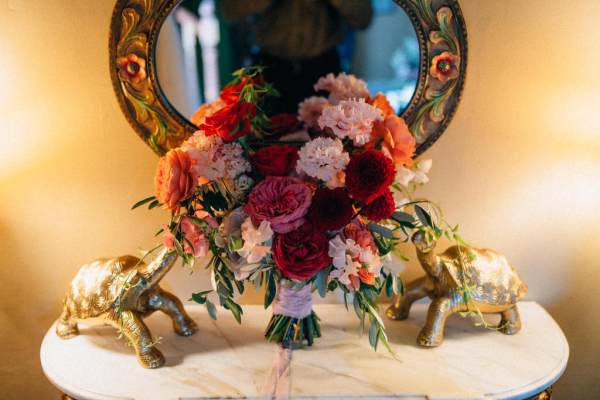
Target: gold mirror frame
<point>134,29</point>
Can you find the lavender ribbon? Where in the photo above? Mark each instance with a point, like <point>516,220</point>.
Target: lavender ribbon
<point>295,304</point>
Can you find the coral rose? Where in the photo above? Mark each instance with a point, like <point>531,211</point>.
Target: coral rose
<point>278,160</point>
<point>361,235</point>
<point>175,179</point>
<point>281,200</point>
<point>330,209</point>
<point>381,208</point>
<point>368,175</point>
<point>381,102</point>
<point>398,142</point>
<point>231,121</point>
<point>302,253</point>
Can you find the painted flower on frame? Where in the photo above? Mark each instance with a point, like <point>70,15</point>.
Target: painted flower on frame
<point>444,66</point>
<point>131,68</point>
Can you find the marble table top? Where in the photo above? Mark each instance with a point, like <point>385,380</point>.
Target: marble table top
<point>227,360</point>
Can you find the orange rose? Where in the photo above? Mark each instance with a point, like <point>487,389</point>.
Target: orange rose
<point>366,276</point>
<point>398,142</point>
<point>381,102</point>
<point>174,180</point>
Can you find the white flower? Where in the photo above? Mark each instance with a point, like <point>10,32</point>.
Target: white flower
<point>322,158</point>
<point>342,87</point>
<point>418,173</point>
<point>348,257</point>
<point>351,119</point>
<point>214,159</point>
<point>253,249</point>
<point>421,171</point>
<point>404,176</point>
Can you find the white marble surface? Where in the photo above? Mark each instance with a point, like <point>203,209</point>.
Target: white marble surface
<point>226,360</point>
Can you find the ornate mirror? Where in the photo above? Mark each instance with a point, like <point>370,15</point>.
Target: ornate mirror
<point>168,57</point>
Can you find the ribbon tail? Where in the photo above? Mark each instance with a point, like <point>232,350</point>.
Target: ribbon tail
<point>278,386</point>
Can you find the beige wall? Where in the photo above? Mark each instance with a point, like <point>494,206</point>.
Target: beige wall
<point>519,167</point>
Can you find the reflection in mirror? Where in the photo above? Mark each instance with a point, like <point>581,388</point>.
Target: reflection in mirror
<point>203,41</point>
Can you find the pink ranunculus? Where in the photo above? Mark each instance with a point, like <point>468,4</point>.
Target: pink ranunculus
<point>194,235</point>
<point>361,235</point>
<point>281,200</point>
<point>168,238</point>
<point>175,179</point>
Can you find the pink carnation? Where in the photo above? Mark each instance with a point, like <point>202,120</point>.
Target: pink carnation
<point>310,110</point>
<point>194,235</point>
<point>281,200</point>
<point>351,119</point>
<point>342,87</point>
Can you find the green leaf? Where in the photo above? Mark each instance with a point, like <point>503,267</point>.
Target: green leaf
<point>321,282</point>
<point>271,289</point>
<point>401,216</point>
<point>382,230</point>
<point>235,309</point>
<point>142,202</point>
<point>373,334</point>
<point>423,216</point>
<point>212,310</point>
<point>389,285</point>
<point>200,297</point>
<point>154,204</point>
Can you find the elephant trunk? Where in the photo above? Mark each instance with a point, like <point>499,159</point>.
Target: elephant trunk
<point>430,262</point>
<point>158,268</point>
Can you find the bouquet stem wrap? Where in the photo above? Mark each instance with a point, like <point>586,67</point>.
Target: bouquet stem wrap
<point>293,321</point>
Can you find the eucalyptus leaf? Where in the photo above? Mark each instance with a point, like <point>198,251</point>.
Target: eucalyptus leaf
<point>401,216</point>
<point>382,230</point>
<point>212,310</point>
<point>321,282</point>
<point>154,204</point>
<point>271,289</point>
<point>423,216</point>
<point>373,334</point>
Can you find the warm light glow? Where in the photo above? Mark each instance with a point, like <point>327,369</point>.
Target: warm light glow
<point>574,113</point>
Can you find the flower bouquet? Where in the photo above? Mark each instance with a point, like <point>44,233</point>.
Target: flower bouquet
<point>316,201</point>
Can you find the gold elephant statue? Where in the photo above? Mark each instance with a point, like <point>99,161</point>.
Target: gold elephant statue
<point>123,291</point>
<point>497,288</point>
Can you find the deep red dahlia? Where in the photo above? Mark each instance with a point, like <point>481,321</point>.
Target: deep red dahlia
<point>278,160</point>
<point>330,209</point>
<point>381,208</point>
<point>368,175</point>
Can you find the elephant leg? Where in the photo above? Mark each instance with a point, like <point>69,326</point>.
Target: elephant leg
<point>415,290</point>
<point>138,334</point>
<point>432,334</point>
<point>66,326</point>
<point>510,322</point>
<point>169,304</point>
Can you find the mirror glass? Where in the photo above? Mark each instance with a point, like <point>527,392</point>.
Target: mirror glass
<point>203,41</point>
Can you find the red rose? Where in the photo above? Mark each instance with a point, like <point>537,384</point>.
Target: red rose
<point>284,123</point>
<point>381,208</point>
<point>330,209</point>
<point>368,175</point>
<point>231,121</point>
<point>278,160</point>
<point>302,253</point>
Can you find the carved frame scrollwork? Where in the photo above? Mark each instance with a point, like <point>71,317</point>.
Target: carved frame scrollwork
<point>134,29</point>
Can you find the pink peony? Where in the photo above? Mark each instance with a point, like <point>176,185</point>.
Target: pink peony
<point>281,200</point>
<point>175,179</point>
<point>168,238</point>
<point>194,235</point>
<point>310,110</point>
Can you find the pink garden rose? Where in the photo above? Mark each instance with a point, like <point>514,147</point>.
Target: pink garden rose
<point>195,236</point>
<point>281,200</point>
<point>175,179</point>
